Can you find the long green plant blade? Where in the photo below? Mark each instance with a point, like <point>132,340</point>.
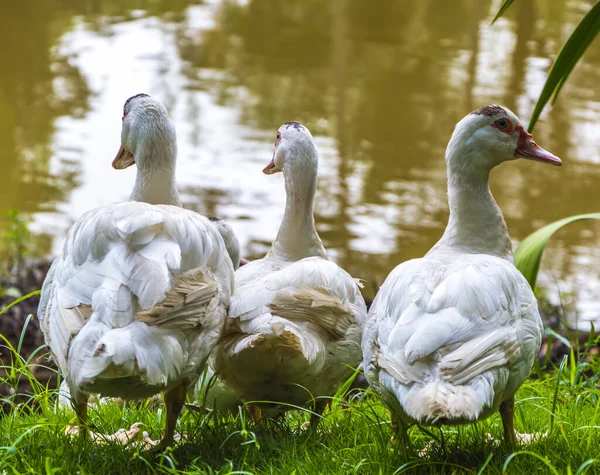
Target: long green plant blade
<point>503,8</point>
<point>529,253</point>
<point>566,60</point>
<point>19,300</point>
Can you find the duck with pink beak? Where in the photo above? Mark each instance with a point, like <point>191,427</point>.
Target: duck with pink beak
<point>451,336</point>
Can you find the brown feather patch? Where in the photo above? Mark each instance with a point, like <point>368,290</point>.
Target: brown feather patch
<point>491,110</point>
<point>191,296</point>
<point>317,305</point>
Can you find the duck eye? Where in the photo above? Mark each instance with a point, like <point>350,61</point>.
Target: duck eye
<point>502,124</point>
<point>278,135</point>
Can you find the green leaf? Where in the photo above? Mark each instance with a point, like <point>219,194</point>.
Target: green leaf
<point>566,60</point>
<point>529,253</point>
<point>503,8</point>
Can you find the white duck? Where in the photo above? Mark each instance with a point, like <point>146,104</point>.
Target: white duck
<point>295,318</point>
<point>453,335</point>
<point>137,300</point>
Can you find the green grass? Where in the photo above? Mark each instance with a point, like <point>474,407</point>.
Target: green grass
<point>353,439</point>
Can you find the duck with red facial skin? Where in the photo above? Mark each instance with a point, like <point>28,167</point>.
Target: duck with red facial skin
<point>451,336</point>
<point>527,148</point>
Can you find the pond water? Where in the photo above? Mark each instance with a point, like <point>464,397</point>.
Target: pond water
<point>380,89</point>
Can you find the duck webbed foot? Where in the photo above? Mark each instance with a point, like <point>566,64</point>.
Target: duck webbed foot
<point>174,401</point>
<point>123,436</point>
<point>511,436</point>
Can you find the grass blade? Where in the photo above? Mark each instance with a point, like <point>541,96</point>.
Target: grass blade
<point>23,332</point>
<point>558,336</point>
<point>19,300</point>
<point>486,463</point>
<point>528,255</point>
<point>503,8</point>
<point>566,60</point>
<point>584,466</point>
<point>556,388</point>
<point>532,454</point>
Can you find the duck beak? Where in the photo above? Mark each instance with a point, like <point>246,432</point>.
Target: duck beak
<point>527,148</point>
<point>270,169</point>
<point>123,159</point>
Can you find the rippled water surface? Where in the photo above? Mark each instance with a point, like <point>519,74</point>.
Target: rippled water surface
<point>380,89</point>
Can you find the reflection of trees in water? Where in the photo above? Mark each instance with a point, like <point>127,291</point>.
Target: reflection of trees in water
<point>374,76</point>
<point>37,86</point>
<point>347,64</point>
<point>205,201</point>
<point>28,105</point>
<point>542,195</point>
<point>389,83</point>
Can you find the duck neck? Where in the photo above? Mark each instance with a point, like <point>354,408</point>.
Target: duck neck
<point>476,223</point>
<point>155,180</point>
<point>297,237</point>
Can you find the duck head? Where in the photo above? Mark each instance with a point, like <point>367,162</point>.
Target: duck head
<point>146,128</point>
<point>489,136</point>
<point>294,148</point>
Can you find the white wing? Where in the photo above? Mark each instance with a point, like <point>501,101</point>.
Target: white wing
<point>298,322</point>
<point>312,290</point>
<point>436,326</point>
<point>119,261</point>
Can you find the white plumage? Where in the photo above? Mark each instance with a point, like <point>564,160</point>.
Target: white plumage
<point>451,336</point>
<point>137,300</point>
<point>455,335</point>
<point>99,322</point>
<point>294,331</point>
<point>295,318</point>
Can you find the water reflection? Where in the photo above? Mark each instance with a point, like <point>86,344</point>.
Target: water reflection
<point>380,88</point>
